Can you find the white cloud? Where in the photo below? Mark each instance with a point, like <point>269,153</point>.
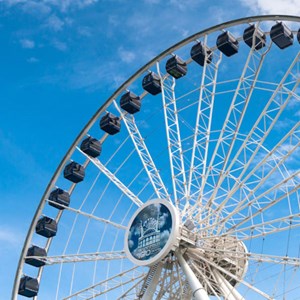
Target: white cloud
<point>45,6</point>
<point>55,23</point>
<point>273,6</point>
<point>32,60</point>
<point>126,56</point>
<point>59,45</point>
<point>152,1</point>
<point>85,31</point>
<point>65,5</point>
<point>10,238</point>
<point>27,44</point>
<point>37,8</point>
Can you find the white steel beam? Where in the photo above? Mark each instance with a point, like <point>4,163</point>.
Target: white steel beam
<point>113,178</point>
<point>268,202</point>
<point>107,285</point>
<point>144,154</point>
<point>203,124</point>
<point>235,117</point>
<point>262,172</point>
<point>173,138</point>
<point>197,288</point>
<point>91,216</point>
<point>80,257</point>
<point>265,122</point>
<point>228,291</point>
<point>224,271</point>
<point>264,169</point>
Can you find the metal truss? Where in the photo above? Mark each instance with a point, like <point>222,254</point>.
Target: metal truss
<point>257,177</point>
<point>173,138</point>
<point>215,266</point>
<point>233,121</point>
<point>144,154</point>
<point>80,257</point>
<point>265,123</point>
<point>257,257</point>
<point>107,285</point>
<point>113,178</point>
<point>91,216</point>
<point>203,127</point>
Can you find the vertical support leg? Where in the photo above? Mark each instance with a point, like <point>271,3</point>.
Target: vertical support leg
<point>229,292</point>
<point>198,291</point>
<point>151,282</point>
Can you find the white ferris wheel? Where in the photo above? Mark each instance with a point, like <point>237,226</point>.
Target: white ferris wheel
<point>185,182</point>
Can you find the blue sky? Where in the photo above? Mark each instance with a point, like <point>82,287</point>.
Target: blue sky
<point>59,61</point>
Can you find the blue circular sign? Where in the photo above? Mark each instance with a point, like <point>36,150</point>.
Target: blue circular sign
<point>149,231</point>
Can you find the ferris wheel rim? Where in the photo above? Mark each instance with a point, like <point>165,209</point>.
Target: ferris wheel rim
<point>102,108</point>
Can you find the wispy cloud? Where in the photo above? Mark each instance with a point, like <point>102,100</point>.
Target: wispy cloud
<point>32,60</point>
<point>65,5</point>
<point>10,238</point>
<point>59,45</point>
<point>45,6</point>
<point>126,56</point>
<point>55,23</point>
<point>273,6</point>
<point>27,44</point>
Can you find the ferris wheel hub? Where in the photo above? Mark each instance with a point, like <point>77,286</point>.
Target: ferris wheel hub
<point>152,233</point>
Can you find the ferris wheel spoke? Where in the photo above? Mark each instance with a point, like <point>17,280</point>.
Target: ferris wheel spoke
<point>113,178</point>
<point>262,177</point>
<point>226,288</point>
<point>208,279</point>
<point>203,122</point>
<point>246,209</point>
<point>81,257</point>
<point>164,285</point>
<point>266,228</point>
<point>130,292</point>
<point>144,154</point>
<point>230,275</point>
<point>273,259</point>
<point>171,283</point>
<point>107,285</point>
<point>150,282</point>
<point>173,138</point>
<point>92,216</point>
<point>256,257</point>
<point>267,120</point>
<point>233,121</point>
<point>264,169</point>
<point>266,202</point>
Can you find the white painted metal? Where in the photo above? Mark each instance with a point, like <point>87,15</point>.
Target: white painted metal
<point>92,216</point>
<point>173,138</point>
<point>81,257</point>
<point>113,178</point>
<point>151,281</point>
<point>269,113</point>
<point>197,288</point>
<point>234,119</point>
<point>222,270</point>
<point>229,292</point>
<point>203,127</point>
<point>107,285</point>
<point>143,152</point>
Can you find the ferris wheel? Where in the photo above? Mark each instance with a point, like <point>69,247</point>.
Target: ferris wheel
<point>185,182</point>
